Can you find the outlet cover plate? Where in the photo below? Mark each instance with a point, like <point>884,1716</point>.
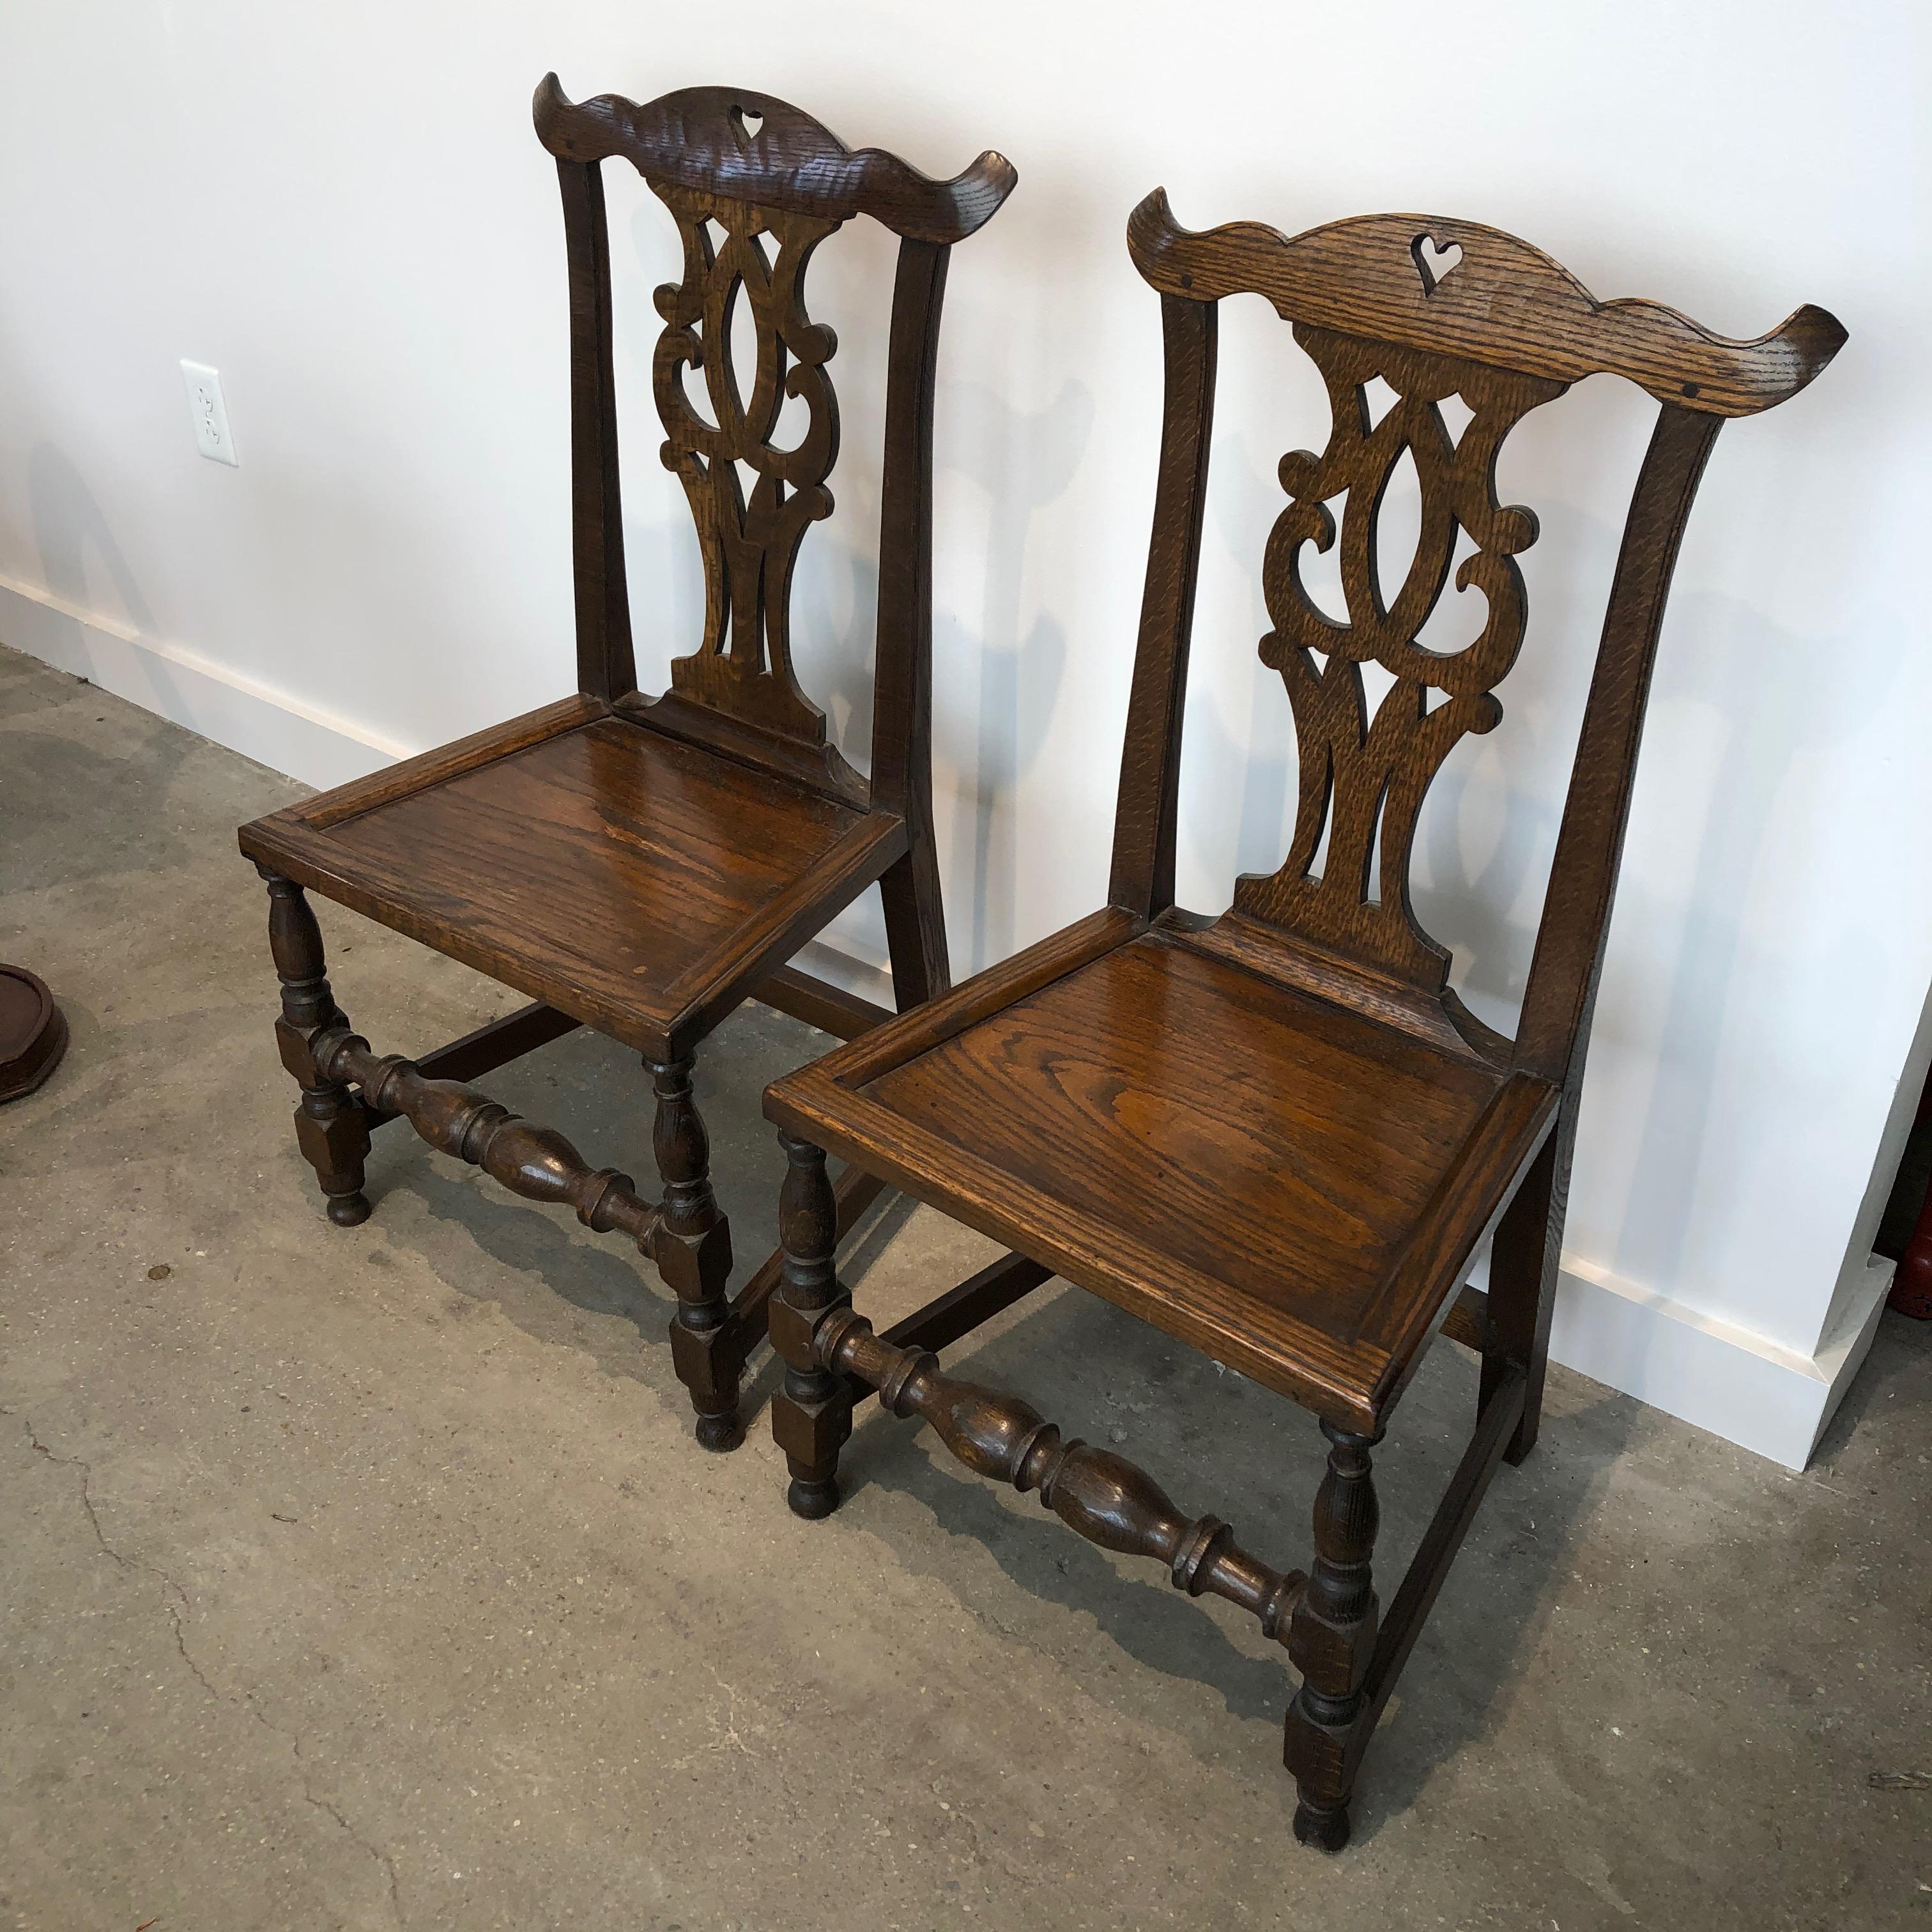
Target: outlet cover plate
<point>211,434</point>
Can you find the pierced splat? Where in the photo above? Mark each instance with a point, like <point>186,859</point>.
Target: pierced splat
<point>1364,778</point>
<point>742,664</point>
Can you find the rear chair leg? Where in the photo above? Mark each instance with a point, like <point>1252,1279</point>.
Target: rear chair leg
<point>916,926</point>
<point>1331,1639</point>
<point>693,1248</point>
<point>1523,1263</point>
<point>812,1416</point>
<point>330,1128</point>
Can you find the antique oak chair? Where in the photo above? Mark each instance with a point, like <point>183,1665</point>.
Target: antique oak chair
<point>1276,1135</point>
<point>642,865</point>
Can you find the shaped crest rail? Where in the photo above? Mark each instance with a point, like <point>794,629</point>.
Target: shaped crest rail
<point>764,149</point>
<point>1458,288</point>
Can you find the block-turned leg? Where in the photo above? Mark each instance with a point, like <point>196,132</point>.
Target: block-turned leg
<point>1331,1638</point>
<point>693,1247</point>
<point>812,1416</point>
<point>330,1128</point>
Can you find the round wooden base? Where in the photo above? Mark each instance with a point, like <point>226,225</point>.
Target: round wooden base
<point>33,1032</point>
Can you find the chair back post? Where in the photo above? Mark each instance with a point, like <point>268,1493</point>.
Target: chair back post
<point>901,774</point>
<point>1142,876</point>
<point>606,667</point>
<point>1554,1030</point>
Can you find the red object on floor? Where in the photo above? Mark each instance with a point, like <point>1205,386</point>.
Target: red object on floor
<point>1911,1284</point>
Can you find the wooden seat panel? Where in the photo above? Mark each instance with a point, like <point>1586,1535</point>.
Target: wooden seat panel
<point>1271,1141</point>
<point>607,869</point>
<point>1260,1171</point>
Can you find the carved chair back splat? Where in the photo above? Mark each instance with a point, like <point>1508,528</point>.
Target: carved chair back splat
<point>643,866</point>
<point>1277,1134</point>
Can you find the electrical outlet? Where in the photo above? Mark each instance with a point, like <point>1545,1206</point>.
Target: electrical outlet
<point>211,413</point>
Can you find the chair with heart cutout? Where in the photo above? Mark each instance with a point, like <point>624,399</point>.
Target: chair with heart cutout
<point>1277,1134</point>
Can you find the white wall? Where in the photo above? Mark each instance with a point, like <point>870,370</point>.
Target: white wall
<point>343,208</point>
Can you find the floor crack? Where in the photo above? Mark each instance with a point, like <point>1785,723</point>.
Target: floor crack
<point>176,1603</point>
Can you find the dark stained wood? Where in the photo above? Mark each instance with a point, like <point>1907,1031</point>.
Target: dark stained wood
<point>629,879</point>
<point>537,1162</point>
<point>1555,1026</point>
<point>1331,1640</point>
<point>1098,1495</point>
<point>820,1004</point>
<point>902,770</point>
<point>1429,1567</point>
<point>811,1415</point>
<point>978,1298</point>
<point>940,1020</point>
<point>643,864</point>
<point>742,664</point>
<point>488,1047</point>
<point>606,664</point>
<point>1502,302</point>
<point>759,149</point>
<point>1276,1135</point>
<point>331,1128</point>
<point>1256,1187</point>
<point>409,776</point>
<point>852,1193</point>
<point>33,1032</point>
<point>1363,778</point>
<point>1466,1318</point>
<point>1145,816</point>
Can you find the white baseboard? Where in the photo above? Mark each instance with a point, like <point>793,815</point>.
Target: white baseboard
<point>271,727</point>
<point>1736,1383</point>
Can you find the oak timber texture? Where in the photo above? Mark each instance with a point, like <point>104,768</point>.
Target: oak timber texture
<point>637,863</point>
<point>1276,1135</point>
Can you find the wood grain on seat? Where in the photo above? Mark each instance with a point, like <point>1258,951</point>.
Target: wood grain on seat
<point>608,869</point>
<point>1243,1165</point>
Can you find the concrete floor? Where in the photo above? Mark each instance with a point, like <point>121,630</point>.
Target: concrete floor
<point>369,1578</point>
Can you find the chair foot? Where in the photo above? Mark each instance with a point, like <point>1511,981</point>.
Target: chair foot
<point>813,1501</point>
<point>692,1248</point>
<point>811,1414</point>
<point>350,1210</point>
<point>1326,1827</point>
<point>720,1434</point>
<point>331,1128</point>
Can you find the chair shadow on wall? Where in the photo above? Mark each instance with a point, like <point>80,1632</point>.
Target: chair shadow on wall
<point>80,561</point>
<point>1023,461</point>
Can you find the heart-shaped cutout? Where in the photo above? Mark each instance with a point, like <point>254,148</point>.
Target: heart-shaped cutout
<point>748,120</point>
<point>1432,263</point>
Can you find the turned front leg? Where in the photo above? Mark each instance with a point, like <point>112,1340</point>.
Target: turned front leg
<point>330,1127</point>
<point>1331,1639</point>
<point>812,1416</point>
<point>694,1254</point>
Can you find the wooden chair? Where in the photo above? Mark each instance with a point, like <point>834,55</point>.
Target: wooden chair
<point>642,865</point>
<point>1276,1134</point>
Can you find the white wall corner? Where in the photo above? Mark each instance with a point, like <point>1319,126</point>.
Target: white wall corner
<point>271,727</point>
<point>1738,1385</point>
